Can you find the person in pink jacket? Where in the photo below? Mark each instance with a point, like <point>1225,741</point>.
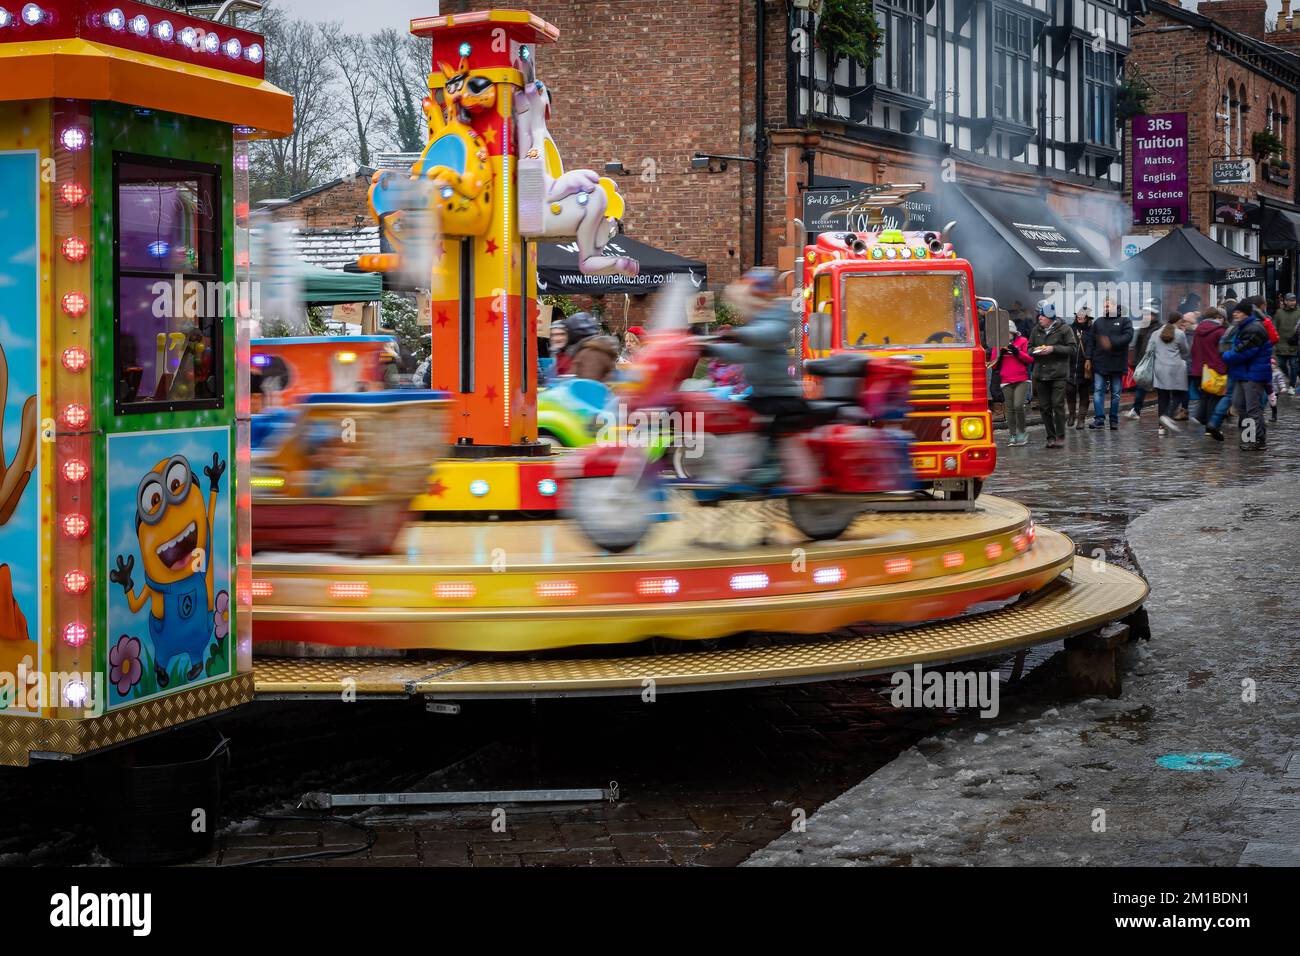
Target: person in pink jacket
<point>1014,362</point>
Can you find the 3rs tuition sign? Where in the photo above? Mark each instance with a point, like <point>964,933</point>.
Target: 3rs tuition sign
<point>1160,169</point>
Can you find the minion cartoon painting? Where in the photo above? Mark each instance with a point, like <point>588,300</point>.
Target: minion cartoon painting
<point>174,527</point>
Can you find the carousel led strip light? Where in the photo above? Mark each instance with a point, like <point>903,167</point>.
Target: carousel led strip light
<point>71,378</point>
<point>139,28</point>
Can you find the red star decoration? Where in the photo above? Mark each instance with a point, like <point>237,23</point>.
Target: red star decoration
<point>491,393</point>
<point>491,246</point>
<point>442,318</point>
<point>436,488</point>
<point>490,134</point>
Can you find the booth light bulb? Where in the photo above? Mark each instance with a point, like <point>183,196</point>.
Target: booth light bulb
<point>74,634</point>
<point>74,692</point>
<point>234,49</point>
<point>164,31</point>
<point>6,18</point>
<point>75,359</point>
<point>75,581</point>
<point>115,19</point>
<point>74,304</point>
<point>74,469</point>
<point>72,194</point>
<point>75,416</point>
<point>211,42</point>
<point>140,25</point>
<point>190,37</point>
<point>74,249</point>
<point>254,53</point>
<point>73,139</point>
<point>75,526</point>
<point>32,14</point>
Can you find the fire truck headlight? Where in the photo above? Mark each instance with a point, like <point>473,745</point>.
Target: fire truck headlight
<point>920,252</point>
<point>905,252</point>
<point>950,463</point>
<point>877,252</point>
<point>971,428</point>
<point>891,253</point>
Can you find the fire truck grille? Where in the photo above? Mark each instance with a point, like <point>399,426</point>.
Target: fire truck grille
<point>927,428</point>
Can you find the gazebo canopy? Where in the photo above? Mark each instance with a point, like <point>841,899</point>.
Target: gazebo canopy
<point>330,287</point>
<point>1186,255</point>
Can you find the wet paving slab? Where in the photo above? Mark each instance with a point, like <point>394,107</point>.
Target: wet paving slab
<point>1192,765</point>
<point>704,779</point>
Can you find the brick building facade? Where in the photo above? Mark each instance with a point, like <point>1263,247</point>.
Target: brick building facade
<point>1218,65</point>
<point>653,85</point>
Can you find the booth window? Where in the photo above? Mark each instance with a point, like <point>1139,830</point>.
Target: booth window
<point>167,285</point>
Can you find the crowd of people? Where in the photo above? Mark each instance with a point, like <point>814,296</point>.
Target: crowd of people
<point>1202,366</point>
<point>578,347</point>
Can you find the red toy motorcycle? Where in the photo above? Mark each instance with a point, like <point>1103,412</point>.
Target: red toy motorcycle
<point>838,448</point>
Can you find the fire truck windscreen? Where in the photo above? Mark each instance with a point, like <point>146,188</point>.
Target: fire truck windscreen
<point>905,308</point>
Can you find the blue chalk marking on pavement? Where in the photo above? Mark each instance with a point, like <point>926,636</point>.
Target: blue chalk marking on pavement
<point>1194,762</point>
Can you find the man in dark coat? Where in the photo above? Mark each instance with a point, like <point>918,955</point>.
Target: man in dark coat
<point>1052,346</point>
<point>1108,342</point>
<point>1079,383</point>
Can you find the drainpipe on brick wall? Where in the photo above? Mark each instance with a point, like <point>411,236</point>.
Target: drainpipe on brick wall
<point>760,128</point>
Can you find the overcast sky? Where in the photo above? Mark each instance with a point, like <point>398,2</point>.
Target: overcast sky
<point>361,16</point>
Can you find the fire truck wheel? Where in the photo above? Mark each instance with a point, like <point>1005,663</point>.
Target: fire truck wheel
<point>614,512</point>
<point>822,518</point>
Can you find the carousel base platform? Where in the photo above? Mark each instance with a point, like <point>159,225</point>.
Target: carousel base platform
<point>1083,598</point>
<point>529,586</point>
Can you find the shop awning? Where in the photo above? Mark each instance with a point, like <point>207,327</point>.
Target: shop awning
<point>328,287</point>
<point>557,269</point>
<point>1045,248</point>
<point>1186,255</point>
<point>1279,230</point>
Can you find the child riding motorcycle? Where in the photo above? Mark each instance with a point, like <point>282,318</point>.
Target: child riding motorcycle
<point>761,346</point>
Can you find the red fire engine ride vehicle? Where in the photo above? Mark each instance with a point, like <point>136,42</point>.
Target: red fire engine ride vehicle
<point>906,296</point>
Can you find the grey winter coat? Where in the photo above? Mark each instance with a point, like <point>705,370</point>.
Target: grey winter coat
<point>1171,360</point>
<point>763,346</point>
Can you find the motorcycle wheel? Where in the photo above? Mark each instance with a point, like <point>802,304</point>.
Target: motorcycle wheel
<point>822,518</point>
<point>613,512</point>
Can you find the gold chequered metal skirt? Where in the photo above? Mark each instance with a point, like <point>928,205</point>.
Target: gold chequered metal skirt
<point>1086,596</point>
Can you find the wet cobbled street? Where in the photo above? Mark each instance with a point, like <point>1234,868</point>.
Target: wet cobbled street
<point>832,773</point>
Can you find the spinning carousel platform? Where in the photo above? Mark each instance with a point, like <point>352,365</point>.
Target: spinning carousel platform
<point>1082,599</point>
<point>523,588</point>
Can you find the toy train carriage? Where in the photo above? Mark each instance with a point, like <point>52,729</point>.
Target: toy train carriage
<point>286,370</point>
<point>338,472</point>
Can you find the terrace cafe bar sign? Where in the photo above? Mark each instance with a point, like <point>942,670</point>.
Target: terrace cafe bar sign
<point>1160,193</point>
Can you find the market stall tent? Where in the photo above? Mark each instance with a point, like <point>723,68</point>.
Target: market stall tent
<point>1186,255</point>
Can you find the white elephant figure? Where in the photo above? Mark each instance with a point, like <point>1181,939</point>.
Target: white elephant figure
<point>579,204</point>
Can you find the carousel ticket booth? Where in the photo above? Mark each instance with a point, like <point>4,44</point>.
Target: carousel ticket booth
<point>124,512</point>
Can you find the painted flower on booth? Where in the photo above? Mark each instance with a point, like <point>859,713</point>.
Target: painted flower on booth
<point>124,663</point>
<point>221,626</point>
